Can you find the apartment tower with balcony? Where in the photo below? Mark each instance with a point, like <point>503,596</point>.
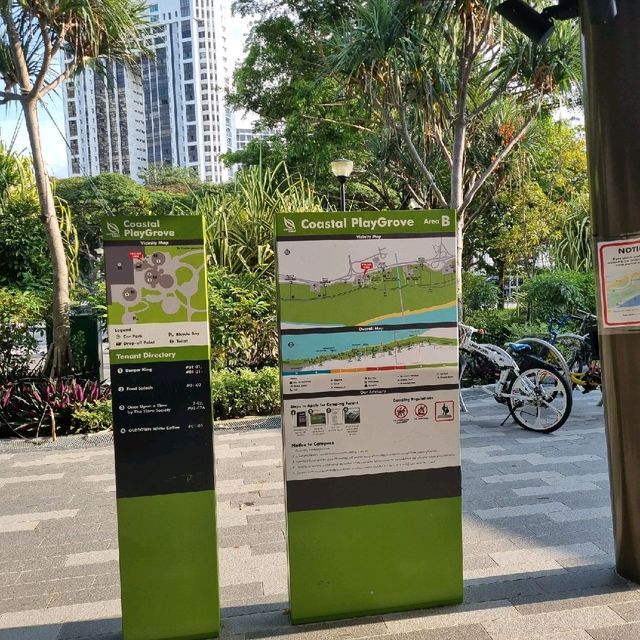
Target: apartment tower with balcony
<point>186,122</point>
<point>105,122</point>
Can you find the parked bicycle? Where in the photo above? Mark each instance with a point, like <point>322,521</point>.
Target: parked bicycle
<point>536,393</point>
<point>584,361</point>
<point>576,354</point>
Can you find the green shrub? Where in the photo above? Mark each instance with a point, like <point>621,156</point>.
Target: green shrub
<point>503,325</point>
<point>242,319</point>
<point>477,293</point>
<point>240,217</point>
<point>23,244</point>
<point>494,324</point>
<point>553,294</point>
<point>240,393</point>
<point>20,313</point>
<point>93,417</point>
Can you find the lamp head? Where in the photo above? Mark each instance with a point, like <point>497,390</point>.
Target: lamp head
<point>342,168</point>
<point>525,18</point>
<point>539,26</point>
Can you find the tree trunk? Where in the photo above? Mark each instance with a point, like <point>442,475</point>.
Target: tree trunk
<point>459,248</point>
<point>457,197</point>
<point>59,358</point>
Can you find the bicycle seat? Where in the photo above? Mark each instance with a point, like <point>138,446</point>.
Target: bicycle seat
<point>518,347</point>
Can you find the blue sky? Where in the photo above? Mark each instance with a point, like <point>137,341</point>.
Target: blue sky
<point>53,144</point>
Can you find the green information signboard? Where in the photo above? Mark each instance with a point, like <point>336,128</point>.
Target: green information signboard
<point>163,429</point>
<point>369,363</point>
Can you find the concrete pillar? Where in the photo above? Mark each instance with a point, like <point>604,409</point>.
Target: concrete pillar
<point>612,96</point>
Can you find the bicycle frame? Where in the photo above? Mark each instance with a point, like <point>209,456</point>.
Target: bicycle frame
<point>494,354</point>
<point>556,326</point>
<point>528,391</point>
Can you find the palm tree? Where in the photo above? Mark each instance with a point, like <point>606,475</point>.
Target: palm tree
<point>44,43</point>
<point>458,86</point>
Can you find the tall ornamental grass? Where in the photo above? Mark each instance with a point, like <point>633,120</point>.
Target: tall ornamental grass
<point>240,220</point>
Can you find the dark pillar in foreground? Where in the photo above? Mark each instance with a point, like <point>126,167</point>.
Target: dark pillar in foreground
<point>612,93</point>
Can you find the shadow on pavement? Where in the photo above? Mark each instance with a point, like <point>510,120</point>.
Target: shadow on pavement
<point>101,629</point>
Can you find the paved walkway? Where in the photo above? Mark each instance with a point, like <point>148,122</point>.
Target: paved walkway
<point>537,537</point>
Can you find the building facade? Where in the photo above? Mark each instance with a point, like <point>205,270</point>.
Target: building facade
<point>186,121</point>
<point>244,135</point>
<point>105,122</point>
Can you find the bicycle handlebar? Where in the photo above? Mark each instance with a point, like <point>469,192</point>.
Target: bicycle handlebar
<point>583,315</point>
<point>469,329</point>
<point>556,325</point>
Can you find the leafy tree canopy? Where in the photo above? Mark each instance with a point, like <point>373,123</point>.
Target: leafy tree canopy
<point>542,191</point>
<point>170,178</point>
<point>318,119</point>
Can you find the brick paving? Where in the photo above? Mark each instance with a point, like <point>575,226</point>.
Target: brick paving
<point>538,559</point>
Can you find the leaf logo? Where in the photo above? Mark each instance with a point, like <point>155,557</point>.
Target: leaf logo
<point>112,229</point>
<point>290,225</point>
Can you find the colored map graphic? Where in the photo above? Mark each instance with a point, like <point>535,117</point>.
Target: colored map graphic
<point>389,282</point>
<point>372,350</point>
<point>157,285</point>
<point>624,292</point>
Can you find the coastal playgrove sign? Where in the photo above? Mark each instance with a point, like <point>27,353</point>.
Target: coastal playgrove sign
<point>368,346</point>
<point>163,431</point>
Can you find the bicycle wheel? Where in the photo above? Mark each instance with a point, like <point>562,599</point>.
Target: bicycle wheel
<point>540,399</point>
<point>579,357</point>
<point>572,346</point>
<point>548,353</point>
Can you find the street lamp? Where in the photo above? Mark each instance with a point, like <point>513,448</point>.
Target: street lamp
<point>342,169</point>
<point>535,25</point>
<point>538,25</point>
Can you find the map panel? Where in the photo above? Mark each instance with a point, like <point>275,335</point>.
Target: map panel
<point>382,281</point>
<point>372,348</point>
<point>156,284</point>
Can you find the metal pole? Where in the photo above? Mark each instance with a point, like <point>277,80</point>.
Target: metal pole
<point>343,195</point>
<point>612,97</point>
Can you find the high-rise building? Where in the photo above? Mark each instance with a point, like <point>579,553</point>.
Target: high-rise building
<point>244,135</point>
<point>186,121</point>
<point>104,121</point>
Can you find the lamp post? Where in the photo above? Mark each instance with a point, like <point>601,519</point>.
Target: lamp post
<point>611,51</point>
<point>342,169</point>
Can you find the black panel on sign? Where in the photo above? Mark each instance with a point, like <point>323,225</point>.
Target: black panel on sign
<point>163,428</point>
<point>378,488</point>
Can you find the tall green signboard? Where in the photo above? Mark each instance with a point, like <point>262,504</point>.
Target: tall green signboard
<point>163,430</point>
<point>368,337</point>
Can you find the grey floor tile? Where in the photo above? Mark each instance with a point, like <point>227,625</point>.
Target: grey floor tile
<point>629,610</point>
<point>622,632</point>
<point>582,578</point>
<point>245,591</point>
<point>461,632</point>
<point>615,598</point>
<point>45,632</point>
<point>501,590</point>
